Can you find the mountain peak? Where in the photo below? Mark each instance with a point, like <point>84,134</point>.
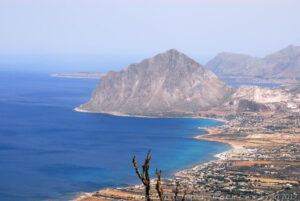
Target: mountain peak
<point>172,51</point>
<point>167,83</point>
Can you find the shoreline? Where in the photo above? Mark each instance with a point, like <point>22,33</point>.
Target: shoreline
<point>255,144</point>
<point>79,109</point>
<point>212,131</point>
<point>118,114</point>
<point>218,157</point>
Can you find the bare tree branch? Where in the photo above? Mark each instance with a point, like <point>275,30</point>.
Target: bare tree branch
<point>137,168</point>
<point>183,198</point>
<point>176,191</point>
<point>159,189</point>
<point>145,177</point>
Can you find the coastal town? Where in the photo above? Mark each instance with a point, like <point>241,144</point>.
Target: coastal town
<point>263,164</point>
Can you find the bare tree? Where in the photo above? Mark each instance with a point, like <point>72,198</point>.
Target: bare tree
<point>176,193</point>
<point>146,180</point>
<point>145,176</point>
<point>159,189</point>
<point>183,197</point>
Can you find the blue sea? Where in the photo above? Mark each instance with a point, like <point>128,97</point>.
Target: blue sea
<point>50,152</point>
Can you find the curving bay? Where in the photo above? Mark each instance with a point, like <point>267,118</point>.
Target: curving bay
<point>48,151</point>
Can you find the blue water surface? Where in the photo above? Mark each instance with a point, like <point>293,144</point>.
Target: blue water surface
<point>49,151</point>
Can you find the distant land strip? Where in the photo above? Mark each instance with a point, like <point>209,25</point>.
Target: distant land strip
<point>79,75</point>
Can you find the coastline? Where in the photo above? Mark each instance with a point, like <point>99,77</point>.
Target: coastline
<point>213,131</point>
<point>78,109</point>
<point>224,155</point>
<point>256,144</point>
<point>84,196</point>
<point>119,114</point>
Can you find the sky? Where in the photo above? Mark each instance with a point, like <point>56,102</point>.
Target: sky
<point>98,35</point>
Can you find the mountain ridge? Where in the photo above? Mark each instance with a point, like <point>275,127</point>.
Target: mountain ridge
<point>283,64</point>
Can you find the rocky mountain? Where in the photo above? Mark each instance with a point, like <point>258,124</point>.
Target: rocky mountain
<point>282,65</point>
<point>167,84</point>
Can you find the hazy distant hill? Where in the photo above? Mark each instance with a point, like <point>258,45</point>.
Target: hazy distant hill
<point>166,84</point>
<point>284,64</point>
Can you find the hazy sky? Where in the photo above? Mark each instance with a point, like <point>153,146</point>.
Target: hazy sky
<point>102,34</point>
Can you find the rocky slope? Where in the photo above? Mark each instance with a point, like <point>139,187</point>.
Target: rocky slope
<point>282,65</point>
<point>167,84</point>
<point>265,99</point>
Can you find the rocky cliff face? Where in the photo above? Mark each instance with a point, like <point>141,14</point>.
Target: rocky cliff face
<point>170,83</point>
<point>284,64</point>
<point>263,99</point>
